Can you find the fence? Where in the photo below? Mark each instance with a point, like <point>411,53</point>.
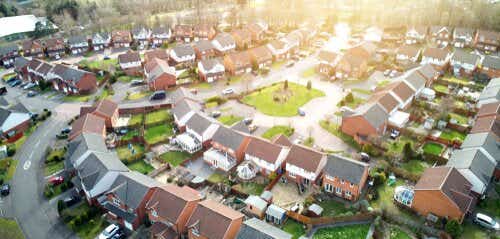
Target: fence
<point>320,221</point>
<point>143,108</point>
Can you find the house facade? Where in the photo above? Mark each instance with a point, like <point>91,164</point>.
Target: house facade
<point>242,38</point>
<point>78,45</point>
<point>268,157</point>
<point>415,35</point>
<point>33,48</point>
<point>141,36</point>
<point>487,40</point>
<point>204,49</point>
<point>201,224</point>
<point>55,48</point>
<point>224,44</point>
<point>304,165</point>
<point>463,37</point>
<point>159,75</point>
<point>491,66</point>
<point>464,63</point>
<point>279,49</point>
<point>327,62</point>
<point>160,35</point>
<point>203,32</point>
<point>183,33</point>
<point>130,62</point>
<point>440,35</point>
<point>8,54</point>
<point>436,56</point>
<point>182,56</point>
<point>408,53</point>
<point>121,39</point>
<point>261,57</point>
<point>344,177</point>
<point>100,41</point>
<point>238,63</point>
<point>228,149</point>
<point>211,70</point>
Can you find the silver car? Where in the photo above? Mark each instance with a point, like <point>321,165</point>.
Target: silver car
<point>486,221</point>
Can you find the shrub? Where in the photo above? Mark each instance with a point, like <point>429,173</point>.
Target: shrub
<point>349,97</point>
<point>11,150</point>
<point>379,178</point>
<point>78,220</point>
<point>72,225</point>
<point>309,84</point>
<point>453,228</point>
<point>170,179</point>
<point>60,206</point>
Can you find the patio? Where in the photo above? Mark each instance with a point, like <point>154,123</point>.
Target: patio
<point>285,195</point>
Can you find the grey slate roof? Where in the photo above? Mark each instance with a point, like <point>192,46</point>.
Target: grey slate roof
<point>77,39</point>
<point>184,106</point>
<point>487,140</point>
<point>83,143</point>
<point>183,50</point>
<point>95,167</point>
<point>131,187</point>
<point>204,45</point>
<point>416,80</point>
<point>198,123</point>
<point>475,161</point>
<point>224,39</point>
<point>181,93</point>
<point>428,71</point>
<point>208,64</point>
<point>241,127</point>
<point>491,62</point>
<point>19,107</point>
<point>4,114</point>
<point>465,57</point>
<point>20,62</point>
<point>3,101</point>
<point>345,168</point>
<point>5,50</point>
<point>373,113</point>
<point>258,229</point>
<point>228,138</point>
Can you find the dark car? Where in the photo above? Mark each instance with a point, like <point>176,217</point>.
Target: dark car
<point>158,95</point>
<point>3,90</point>
<point>66,130</point>
<point>71,200</point>
<point>5,190</point>
<point>11,80</point>
<point>15,83</point>
<point>247,121</point>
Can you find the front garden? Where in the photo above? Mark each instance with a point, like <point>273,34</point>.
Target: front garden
<point>84,220</point>
<point>277,130</point>
<point>10,229</point>
<point>281,99</point>
<point>54,161</point>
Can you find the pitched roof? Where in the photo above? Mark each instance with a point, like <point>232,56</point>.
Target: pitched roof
<point>261,53</point>
<point>257,229</point>
<point>106,107</point>
<point>448,180</point>
<point>96,166</point>
<point>374,113</point>
<point>240,59</point>
<point>86,142</point>
<point>169,201</point>
<point>242,33</point>
<point>157,67</point>
<point>183,50</point>
<point>475,161</point>
<point>408,50</point>
<point>207,212</point>
<point>181,93</point>
<point>437,29</point>
<point>489,109</point>
<point>282,140</point>
<point>403,91</point>
<point>88,123</point>
<point>277,44</point>
<point>487,141</point>
<point>416,80</point>
<point>128,57</point>
<point>328,56</point>
<point>21,62</point>
<point>488,35</point>
<point>7,49</point>
<point>421,30</point>
<point>491,62</point>
<point>428,71</point>
<point>388,101</point>
<point>203,45</point>
<point>208,65</point>
<point>465,57</point>
<point>354,60</point>
<point>263,149</point>
<point>345,168</point>
<point>184,106</point>
<point>228,138</point>
<point>198,123</point>
<point>224,39</point>
<point>305,158</point>
<point>156,53</point>
<point>77,39</point>
<point>436,53</point>
<point>131,188</point>
<point>487,124</point>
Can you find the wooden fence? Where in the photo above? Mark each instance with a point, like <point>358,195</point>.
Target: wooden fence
<point>319,221</point>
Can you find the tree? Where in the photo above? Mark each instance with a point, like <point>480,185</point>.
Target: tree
<point>407,151</point>
<point>309,84</point>
<point>349,97</point>
<point>453,228</point>
<point>285,85</point>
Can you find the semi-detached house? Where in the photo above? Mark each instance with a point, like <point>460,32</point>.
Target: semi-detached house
<point>224,44</point>
<point>344,177</point>
<point>304,165</point>
<point>182,56</point>
<point>199,132</point>
<point>211,70</point>
<point>130,62</point>
<point>268,157</point>
<point>415,35</point>
<point>228,149</point>
<point>464,62</point>
<point>436,56</point>
<point>182,111</point>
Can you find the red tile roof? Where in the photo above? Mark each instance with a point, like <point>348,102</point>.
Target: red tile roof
<point>212,219</point>
<point>106,107</point>
<point>263,149</point>
<point>305,158</point>
<point>89,123</point>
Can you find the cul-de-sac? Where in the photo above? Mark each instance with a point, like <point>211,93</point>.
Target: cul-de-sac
<point>249,119</point>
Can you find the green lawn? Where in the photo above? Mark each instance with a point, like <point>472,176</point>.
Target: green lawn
<point>76,98</point>
<point>126,79</point>
<point>460,81</point>
<point>234,79</point>
<point>385,199</point>
<point>141,167</point>
<point>332,208</point>
<point>10,229</point>
<point>125,154</point>
<point>136,119</point>
<point>277,64</point>
<point>294,228</point>
<point>415,166</point>
<point>157,116</point>
<point>250,188</point>
<point>7,168</point>
<point>459,118</point>
<point>53,167</point>
<point>346,232</point>
<point>229,119</point>
<point>276,130</point>
<point>100,64</point>
<point>89,229</point>
<point>441,88</point>
<point>361,91</point>
<point>158,133</point>
<point>309,142</point>
<point>433,148</point>
<point>309,72</point>
<point>397,145</point>
<point>218,178</point>
<point>138,95</point>
<point>130,134</point>
<point>397,233</point>
<point>175,158</point>
<point>276,101</point>
<point>452,135</point>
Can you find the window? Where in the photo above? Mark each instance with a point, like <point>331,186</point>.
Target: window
<point>328,187</point>
<point>195,232</point>
<point>342,181</point>
<point>291,174</point>
<point>338,190</point>
<point>352,185</point>
<point>348,193</point>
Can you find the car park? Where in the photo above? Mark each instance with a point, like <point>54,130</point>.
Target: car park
<point>110,231</point>
<point>486,221</point>
<point>158,95</point>
<point>228,91</point>
<point>5,190</point>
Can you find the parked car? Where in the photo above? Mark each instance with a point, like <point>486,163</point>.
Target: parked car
<point>11,79</point>
<point>110,231</point>
<point>247,121</point>
<point>106,58</point>
<point>56,180</point>
<point>387,72</point>
<point>137,82</point>
<point>158,95</point>
<point>29,86</point>
<point>15,83</point>
<point>252,128</point>
<point>394,133</point>
<point>24,84</point>
<point>3,90</point>
<point>228,91</point>
<point>215,114</point>
<point>5,190</point>
<point>301,112</point>
<point>71,200</point>
<point>32,93</point>
<point>365,157</point>
<point>122,131</point>
<point>486,221</point>
<point>66,130</point>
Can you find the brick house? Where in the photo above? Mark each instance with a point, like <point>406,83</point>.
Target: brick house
<point>204,49</point>
<point>415,35</point>
<point>183,33</point>
<point>89,123</point>
<point>224,44</point>
<point>228,149</point>
<point>55,47</point>
<point>38,70</point>
<point>13,123</point>
<point>201,224</point>
<point>7,55</point>
<point>78,45</point>
<point>344,177</point>
<point>169,210</point>
<point>487,40</point>
<point>464,63</point>
<point>243,38</point>
<point>436,56</point>
<point>257,31</point>
<point>203,32</point>
<point>126,201</point>
<point>351,65</point>
<point>130,63</point>
<point>199,132</point>
<point>279,49</point>
<point>238,63</point>
<point>33,48</point>
<point>440,35</point>
<point>267,156</point>
<point>121,39</point>
<point>327,62</point>
<point>368,119</point>
<point>108,110</point>
<point>100,41</point>
<point>182,56</point>
<point>463,37</point>
<point>491,66</point>
<point>211,70</point>
<point>261,57</point>
<point>159,75</point>
<point>429,73</point>
<point>141,36</point>
<point>71,81</point>
<point>304,165</point>
<point>443,192</point>
<point>182,111</point>
<point>160,35</point>
<point>21,67</point>
<point>408,53</point>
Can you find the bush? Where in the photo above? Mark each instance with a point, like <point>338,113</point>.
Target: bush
<point>453,228</point>
<point>60,206</point>
<point>379,178</point>
<point>349,97</point>
<point>309,84</point>
<point>11,150</point>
